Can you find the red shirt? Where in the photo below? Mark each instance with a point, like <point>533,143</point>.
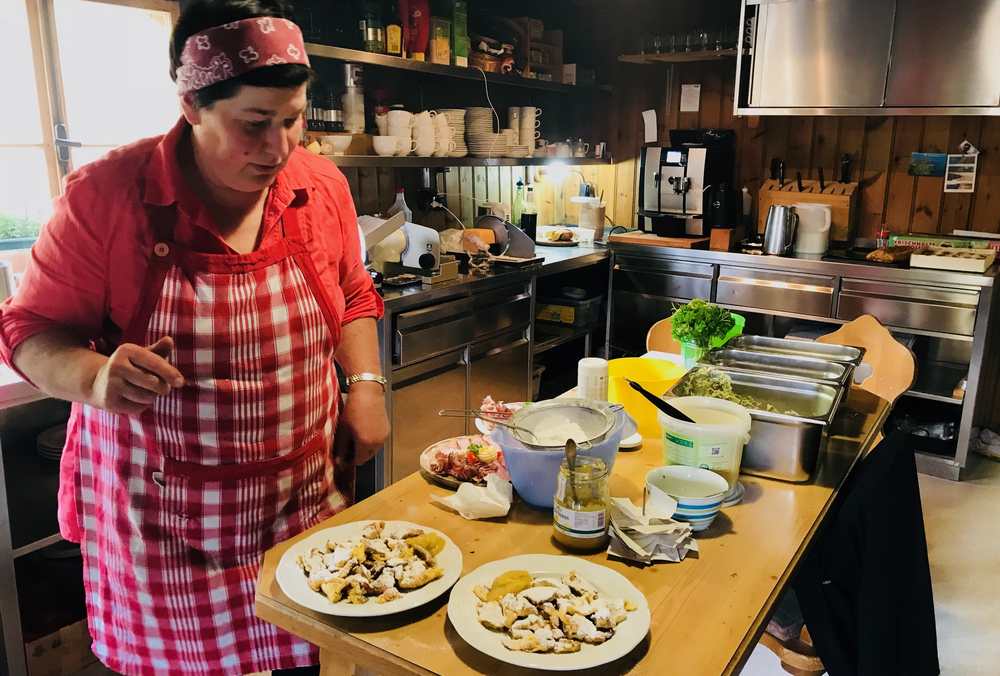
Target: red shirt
<point>89,262</point>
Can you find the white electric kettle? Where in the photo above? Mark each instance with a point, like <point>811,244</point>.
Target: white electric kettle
<point>813,234</point>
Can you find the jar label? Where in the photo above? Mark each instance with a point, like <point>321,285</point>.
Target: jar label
<point>584,525</point>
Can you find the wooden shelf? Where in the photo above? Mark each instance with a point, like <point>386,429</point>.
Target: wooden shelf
<point>678,57</point>
<point>420,162</point>
<point>426,68</point>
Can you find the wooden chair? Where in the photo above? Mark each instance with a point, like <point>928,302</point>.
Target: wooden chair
<point>660,337</point>
<point>888,370</point>
<point>892,365</point>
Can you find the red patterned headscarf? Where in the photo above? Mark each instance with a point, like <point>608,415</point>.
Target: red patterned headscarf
<point>228,51</point>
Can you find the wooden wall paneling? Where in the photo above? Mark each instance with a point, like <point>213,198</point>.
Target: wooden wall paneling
<point>899,198</point>
<point>800,146</point>
<point>506,188</point>
<point>387,185</point>
<point>850,141</point>
<point>368,190</point>
<point>453,193</point>
<point>986,211</point>
<point>751,163</point>
<point>956,207</point>
<point>466,200</point>
<point>352,180</point>
<point>479,190</point>
<point>672,77</point>
<point>726,118</point>
<point>927,195</point>
<point>710,108</point>
<point>826,136</point>
<point>607,189</point>
<point>492,184</point>
<point>875,174</point>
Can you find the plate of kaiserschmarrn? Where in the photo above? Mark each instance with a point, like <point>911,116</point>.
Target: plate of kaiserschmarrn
<point>369,568</point>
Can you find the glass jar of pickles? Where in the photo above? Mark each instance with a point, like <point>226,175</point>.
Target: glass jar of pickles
<point>580,506</point>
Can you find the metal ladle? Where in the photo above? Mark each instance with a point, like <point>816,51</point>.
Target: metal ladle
<point>571,465</point>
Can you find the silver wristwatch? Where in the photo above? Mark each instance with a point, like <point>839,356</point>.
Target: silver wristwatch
<point>365,378</point>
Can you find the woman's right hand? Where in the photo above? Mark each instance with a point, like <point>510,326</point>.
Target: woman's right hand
<point>134,376</point>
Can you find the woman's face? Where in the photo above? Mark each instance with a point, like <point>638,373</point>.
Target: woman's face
<point>244,141</point>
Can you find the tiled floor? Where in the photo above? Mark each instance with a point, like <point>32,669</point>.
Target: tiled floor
<point>963,524</point>
<point>962,521</point>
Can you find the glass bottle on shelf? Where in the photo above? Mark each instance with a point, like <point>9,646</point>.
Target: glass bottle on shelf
<point>529,215</point>
<point>393,30</point>
<point>518,203</point>
<point>372,28</point>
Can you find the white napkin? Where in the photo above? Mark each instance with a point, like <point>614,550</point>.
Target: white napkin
<point>480,502</point>
<point>647,538</point>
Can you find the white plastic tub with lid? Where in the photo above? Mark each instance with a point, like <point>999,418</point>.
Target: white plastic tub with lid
<point>715,441</point>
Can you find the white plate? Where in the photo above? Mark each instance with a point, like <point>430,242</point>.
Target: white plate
<point>485,427</point>
<point>628,634</point>
<point>292,580</point>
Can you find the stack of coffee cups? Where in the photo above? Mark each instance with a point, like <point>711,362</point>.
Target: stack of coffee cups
<point>400,127</point>
<point>424,139</point>
<point>528,124</point>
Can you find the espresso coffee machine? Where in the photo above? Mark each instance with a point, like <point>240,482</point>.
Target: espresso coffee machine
<point>686,188</point>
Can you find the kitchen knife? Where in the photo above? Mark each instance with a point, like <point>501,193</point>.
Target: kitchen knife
<point>845,168</point>
<point>658,403</point>
<point>798,180</point>
<point>822,181</point>
<point>774,168</point>
<point>781,173</point>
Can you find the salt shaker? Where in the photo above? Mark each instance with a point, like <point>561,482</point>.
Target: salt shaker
<point>592,379</point>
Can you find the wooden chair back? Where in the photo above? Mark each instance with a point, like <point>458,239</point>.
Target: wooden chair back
<point>660,337</point>
<point>893,366</point>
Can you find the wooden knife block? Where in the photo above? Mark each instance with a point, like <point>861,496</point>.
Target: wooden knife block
<point>842,198</point>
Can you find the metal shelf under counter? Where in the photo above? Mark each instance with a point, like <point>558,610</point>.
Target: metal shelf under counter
<point>549,335</point>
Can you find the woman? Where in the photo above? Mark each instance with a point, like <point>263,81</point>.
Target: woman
<point>220,264</point>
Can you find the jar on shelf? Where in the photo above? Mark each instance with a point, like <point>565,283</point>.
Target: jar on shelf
<point>580,505</point>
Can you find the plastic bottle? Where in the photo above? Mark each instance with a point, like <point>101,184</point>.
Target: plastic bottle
<point>518,206</point>
<point>400,206</point>
<point>529,215</point>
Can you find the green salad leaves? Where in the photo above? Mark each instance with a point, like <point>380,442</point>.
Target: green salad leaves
<point>699,322</point>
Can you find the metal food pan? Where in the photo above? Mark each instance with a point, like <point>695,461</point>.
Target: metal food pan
<point>845,354</point>
<point>789,366</point>
<point>782,446</point>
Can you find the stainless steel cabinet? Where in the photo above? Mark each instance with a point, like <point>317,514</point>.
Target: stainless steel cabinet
<point>779,291</point>
<point>821,53</point>
<point>645,290</point>
<point>501,368</point>
<point>418,393</point>
<point>910,306</point>
<point>965,73</point>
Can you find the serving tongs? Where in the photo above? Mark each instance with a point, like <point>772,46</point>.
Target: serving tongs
<point>484,416</point>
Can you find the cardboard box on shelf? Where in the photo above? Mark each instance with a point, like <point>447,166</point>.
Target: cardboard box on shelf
<point>66,651</point>
<point>575,74</point>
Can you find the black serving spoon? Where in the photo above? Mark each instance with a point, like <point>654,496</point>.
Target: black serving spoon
<point>659,403</point>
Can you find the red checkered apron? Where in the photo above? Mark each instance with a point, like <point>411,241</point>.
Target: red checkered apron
<point>177,505</point>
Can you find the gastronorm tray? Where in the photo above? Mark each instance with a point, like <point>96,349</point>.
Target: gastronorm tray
<point>784,365</point>
<point>846,354</point>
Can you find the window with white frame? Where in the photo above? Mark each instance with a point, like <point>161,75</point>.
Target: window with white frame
<point>81,77</point>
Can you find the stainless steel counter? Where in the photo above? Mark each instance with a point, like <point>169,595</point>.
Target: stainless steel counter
<point>951,313</point>
<point>557,260</point>
<point>819,266</point>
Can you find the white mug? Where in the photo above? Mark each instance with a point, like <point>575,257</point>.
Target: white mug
<point>424,147</point>
<point>400,131</point>
<point>443,147</point>
<point>382,122</point>
<point>385,146</point>
<point>399,118</point>
<point>423,118</point>
<point>404,145</point>
<point>513,117</point>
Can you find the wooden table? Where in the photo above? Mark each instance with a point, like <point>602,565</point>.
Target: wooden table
<point>707,612</point>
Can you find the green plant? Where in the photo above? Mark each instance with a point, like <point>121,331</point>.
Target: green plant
<point>699,322</point>
<point>12,227</point>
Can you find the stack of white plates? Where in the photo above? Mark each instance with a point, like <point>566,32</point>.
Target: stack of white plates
<point>519,151</point>
<point>49,443</point>
<point>480,132</point>
<point>456,122</point>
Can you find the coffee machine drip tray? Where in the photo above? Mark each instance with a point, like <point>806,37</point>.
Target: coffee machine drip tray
<point>672,225</point>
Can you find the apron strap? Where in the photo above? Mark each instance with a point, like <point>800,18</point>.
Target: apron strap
<point>293,231</point>
<point>161,259</point>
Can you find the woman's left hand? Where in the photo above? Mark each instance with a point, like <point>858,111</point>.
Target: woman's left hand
<point>364,421</point>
